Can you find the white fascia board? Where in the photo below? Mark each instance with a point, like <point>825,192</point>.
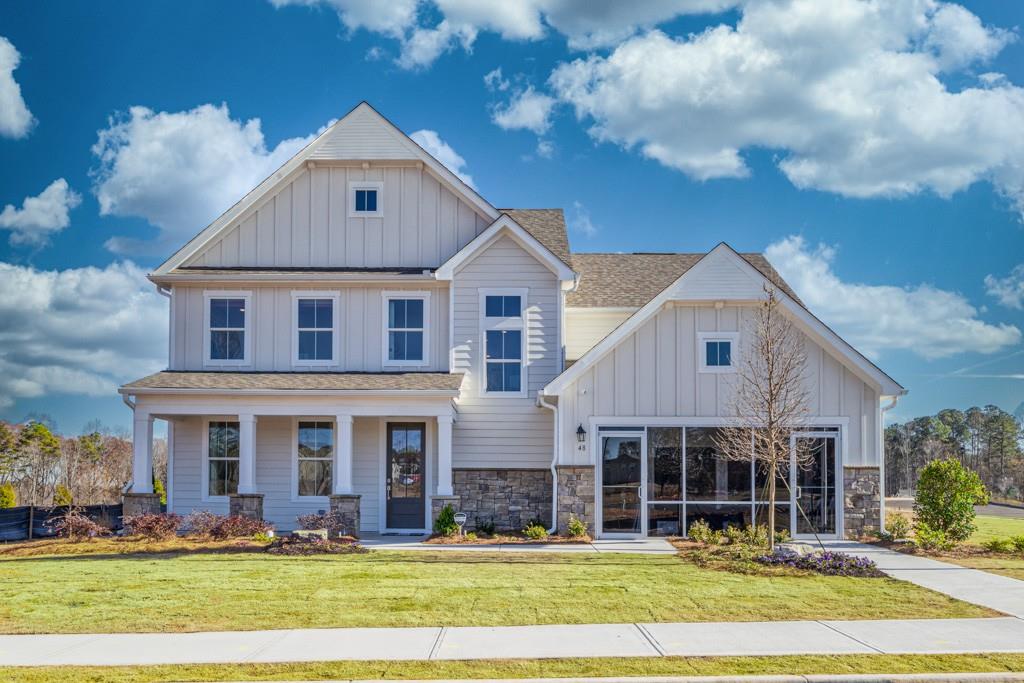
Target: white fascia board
<point>846,354</point>
<point>505,225</point>
<point>409,393</point>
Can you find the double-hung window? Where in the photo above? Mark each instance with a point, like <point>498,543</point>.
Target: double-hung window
<point>227,328</point>
<point>717,351</point>
<point>222,458</point>
<point>406,326</point>
<point>316,338</point>
<point>504,334</point>
<point>315,453</point>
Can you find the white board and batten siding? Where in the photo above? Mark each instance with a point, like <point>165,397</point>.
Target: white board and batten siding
<point>584,327</point>
<point>360,328</point>
<point>497,432</point>
<point>306,223</point>
<point>654,372</point>
<point>274,470</point>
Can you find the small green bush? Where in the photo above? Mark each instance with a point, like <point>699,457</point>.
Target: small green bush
<point>897,526</point>
<point>8,496</point>
<point>1018,543</point>
<point>263,537</point>
<point>927,538</point>
<point>782,536</point>
<point>445,524</point>
<point>946,495</point>
<point>998,545</point>
<point>701,532</point>
<point>470,536</point>
<point>484,526</point>
<point>62,495</point>
<point>733,535</point>
<point>576,527</point>
<point>754,536</point>
<point>535,531</point>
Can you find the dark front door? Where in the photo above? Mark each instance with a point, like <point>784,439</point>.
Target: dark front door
<point>406,475</point>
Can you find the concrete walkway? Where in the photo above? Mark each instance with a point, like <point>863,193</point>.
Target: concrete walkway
<point>655,546</point>
<point>1000,593</point>
<point>522,642</point>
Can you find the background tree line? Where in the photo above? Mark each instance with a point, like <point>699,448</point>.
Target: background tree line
<point>989,441</point>
<point>41,467</point>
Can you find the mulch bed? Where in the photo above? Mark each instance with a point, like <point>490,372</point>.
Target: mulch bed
<point>504,538</point>
<point>295,546</point>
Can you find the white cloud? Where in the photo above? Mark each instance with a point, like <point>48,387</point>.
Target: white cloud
<point>930,322</point>
<point>391,18</point>
<point>579,220</point>
<point>15,119</point>
<point>424,45</point>
<point>79,331</point>
<point>180,170</point>
<point>849,92</point>
<point>545,149</point>
<point>527,110</point>
<point>443,152</point>
<point>40,216</point>
<point>495,82</point>
<point>1009,290</point>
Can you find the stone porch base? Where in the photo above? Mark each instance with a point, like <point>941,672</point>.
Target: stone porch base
<point>862,501</point>
<point>509,498</point>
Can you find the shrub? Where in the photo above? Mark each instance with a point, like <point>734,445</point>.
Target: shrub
<point>159,488</point>
<point>535,531</point>
<point>75,526</point>
<point>471,536</point>
<point>897,526</point>
<point>998,545</point>
<point>755,536</point>
<point>152,525</point>
<point>946,495</point>
<point>576,527</point>
<point>733,534</point>
<point>1018,543</point>
<point>332,520</point>
<point>927,538</point>
<point>701,532</point>
<point>8,497</point>
<point>201,522</point>
<point>240,527</point>
<point>828,562</point>
<point>782,536</point>
<point>484,526</point>
<point>445,524</point>
<point>62,495</point>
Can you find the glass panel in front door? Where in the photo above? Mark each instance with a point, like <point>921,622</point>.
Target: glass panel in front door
<point>620,484</point>
<point>405,485</point>
<point>816,487</point>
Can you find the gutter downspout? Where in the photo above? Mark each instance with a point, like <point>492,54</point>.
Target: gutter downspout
<point>554,461</point>
<point>881,452</point>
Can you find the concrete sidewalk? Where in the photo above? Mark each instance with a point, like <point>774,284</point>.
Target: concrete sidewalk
<point>1000,593</point>
<point>652,546</point>
<point>930,636</point>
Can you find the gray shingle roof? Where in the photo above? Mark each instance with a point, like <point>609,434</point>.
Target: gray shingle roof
<point>291,381</point>
<point>631,280</point>
<point>547,226</point>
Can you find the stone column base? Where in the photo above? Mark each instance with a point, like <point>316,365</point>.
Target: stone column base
<point>346,505</point>
<point>140,504</point>
<point>437,504</point>
<point>576,496</point>
<point>862,501</point>
<point>246,505</point>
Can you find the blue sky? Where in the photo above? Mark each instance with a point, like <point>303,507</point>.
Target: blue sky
<point>875,152</point>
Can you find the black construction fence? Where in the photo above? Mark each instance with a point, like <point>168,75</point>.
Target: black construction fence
<point>29,521</point>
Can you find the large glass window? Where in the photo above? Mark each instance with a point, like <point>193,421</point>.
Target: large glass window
<point>504,360</point>
<point>710,476</point>
<point>315,329</point>
<point>405,330</point>
<point>315,453</point>
<point>664,463</point>
<point>502,306</point>
<point>227,329</point>
<point>222,458</point>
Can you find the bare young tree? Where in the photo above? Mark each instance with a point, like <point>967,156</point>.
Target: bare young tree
<point>769,398</point>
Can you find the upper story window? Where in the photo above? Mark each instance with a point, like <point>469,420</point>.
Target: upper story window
<point>316,338</point>
<point>717,351</point>
<point>222,458</point>
<point>503,330</point>
<point>227,328</point>
<point>406,328</point>
<point>315,452</point>
<point>365,199</point>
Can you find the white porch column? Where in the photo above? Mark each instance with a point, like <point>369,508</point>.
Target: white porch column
<point>247,454</point>
<point>444,455</point>
<point>342,455</point>
<point>142,453</point>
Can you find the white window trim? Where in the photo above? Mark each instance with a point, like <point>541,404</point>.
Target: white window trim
<point>387,296</point>
<point>365,185</point>
<point>734,352</point>
<point>335,328</point>
<point>295,497</point>
<point>206,497</point>
<point>504,323</point>
<point>209,295</point>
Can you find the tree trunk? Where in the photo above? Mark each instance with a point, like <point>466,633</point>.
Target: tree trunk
<point>771,506</point>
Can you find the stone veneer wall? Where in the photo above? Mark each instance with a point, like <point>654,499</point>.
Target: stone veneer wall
<point>862,500</point>
<point>576,496</point>
<point>509,498</point>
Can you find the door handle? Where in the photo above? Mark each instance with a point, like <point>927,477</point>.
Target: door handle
<point>799,492</point>
<point>387,490</point>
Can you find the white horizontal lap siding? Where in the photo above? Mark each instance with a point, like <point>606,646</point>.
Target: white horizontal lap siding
<point>654,373</point>
<point>585,327</point>
<point>360,329</point>
<point>187,459</point>
<point>493,431</point>
<point>306,222</point>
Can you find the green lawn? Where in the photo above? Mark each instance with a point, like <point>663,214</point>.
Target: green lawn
<point>238,590</point>
<point>647,666</point>
<point>990,527</point>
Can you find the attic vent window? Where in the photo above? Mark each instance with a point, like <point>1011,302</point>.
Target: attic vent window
<point>365,199</point>
<point>718,351</point>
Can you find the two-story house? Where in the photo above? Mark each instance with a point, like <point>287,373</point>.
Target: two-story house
<point>365,332</point>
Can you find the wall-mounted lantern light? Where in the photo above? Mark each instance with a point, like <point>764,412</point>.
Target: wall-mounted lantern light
<point>581,434</point>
